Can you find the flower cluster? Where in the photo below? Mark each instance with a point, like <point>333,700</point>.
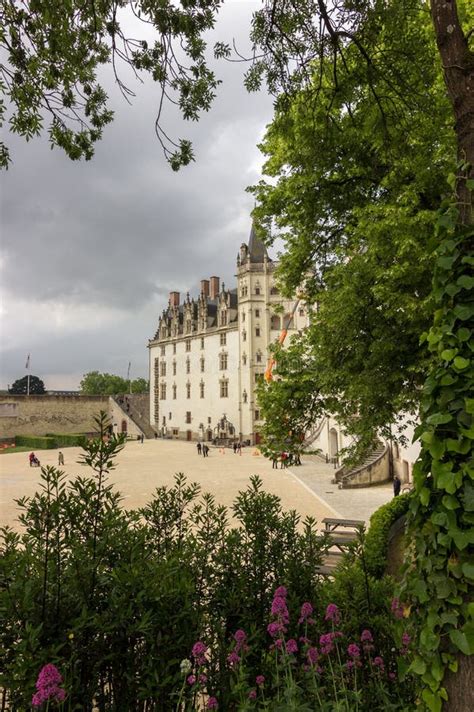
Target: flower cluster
<point>48,686</point>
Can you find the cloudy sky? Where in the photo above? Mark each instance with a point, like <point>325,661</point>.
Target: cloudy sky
<point>89,251</point>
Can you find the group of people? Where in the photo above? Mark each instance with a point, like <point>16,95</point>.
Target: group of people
<point>203,449</point>
<point>237,448</point>
<point>285,459</point>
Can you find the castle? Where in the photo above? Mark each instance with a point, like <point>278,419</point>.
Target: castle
<point>208,353</point>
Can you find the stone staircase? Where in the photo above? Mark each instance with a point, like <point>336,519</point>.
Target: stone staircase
<point>314,434</point>
<point>129,405</point>
<point>373,470</point>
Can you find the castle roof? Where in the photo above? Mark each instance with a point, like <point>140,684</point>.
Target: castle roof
<point>257,250</point>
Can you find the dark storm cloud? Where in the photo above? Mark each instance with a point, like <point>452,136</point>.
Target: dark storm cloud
<point>90,250</point>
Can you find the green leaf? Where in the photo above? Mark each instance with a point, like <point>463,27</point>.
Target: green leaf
<point>468,570</point>
<point>462,538</point>
<point>463,334</point>
<point>464,311</point>
<point>418,666</point>
<point>439,418</point>
<point>448,354</point>
<point>465,281</point>
<point>432,700</point>
<point>463,642</point>
<point>424,496</point>
<point>450,502</point>
<point>460,363</point>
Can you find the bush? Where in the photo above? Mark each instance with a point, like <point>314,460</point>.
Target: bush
<point>376,540</point>
<point>67,439</point>
<point>36,442</point>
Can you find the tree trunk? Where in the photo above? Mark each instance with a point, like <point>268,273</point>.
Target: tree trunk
<point>458,67</point>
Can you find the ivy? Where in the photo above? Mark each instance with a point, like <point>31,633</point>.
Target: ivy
<point>439,574</point>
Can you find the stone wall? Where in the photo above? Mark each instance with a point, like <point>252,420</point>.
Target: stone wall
<point>38,415</point>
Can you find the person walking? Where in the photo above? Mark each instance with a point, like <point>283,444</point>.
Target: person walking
<point>397,484</point>
<point>274,461</point>
<point>205,451</point>
<point>60,458</point>
<point>142,438</point>
<point>199,448</point>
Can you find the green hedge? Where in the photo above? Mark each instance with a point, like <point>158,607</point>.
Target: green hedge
<point>66,439</point>
<point>376,540</point>
<point>34,441</point>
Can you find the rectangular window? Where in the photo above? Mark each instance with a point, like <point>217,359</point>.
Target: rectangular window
<point>223,339</point>
<point>202,343</point>
<point>175,432</point>
<point>188,416</point>
<point>201,390</point>
<point>188,390</point>
<point>244,336</point>
<point>257,415</point>
<point>188,344</point>
<point>243,316</point>
<point>258,357</point>
<point>163,368</point>
<point>169,416</point>
<point>301,312</point>
<point>188,366</point>
<point>162,391</point>
<point>257,331</point>
<point>257,290</point>
<point>202,365</point>
<point>174,392</point>
<point>224,389</point>
<point>257,312</point>
<point>174,348</point>
<point>174,368</point>
<point>209,421</point>
<point>162,350</point>
<point>223,362</point>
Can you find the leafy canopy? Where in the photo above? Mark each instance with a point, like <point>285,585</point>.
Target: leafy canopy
<point>20,386</point>
<point>97,384</point>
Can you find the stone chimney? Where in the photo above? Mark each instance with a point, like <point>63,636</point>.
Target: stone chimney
<point>174,299</point>
<point>205,287</point>
<point>214,287</point>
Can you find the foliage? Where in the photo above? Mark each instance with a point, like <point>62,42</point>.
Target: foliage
<point>440,575</point>
<point>20,386</point>
<point>98,384</point>
<point>67,439</point>
<point>36,441</point>
<point>116,599</point>
<point>54,53</point>
<point>376,540</point>
<point>290,403</point>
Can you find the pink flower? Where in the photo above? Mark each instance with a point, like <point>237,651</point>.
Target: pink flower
<point>240,637</point>
<point>392,676</point>
<point>191,680</point>
<point>47,686</point>
<point>306,611</point>
<point>406,640</point>
<point>198,652</point>
<point>212,703</point>
<point>312,655</point>
<point>202,678</point>
<point>281,592</point>
<point>233,659</point>
<point>332,614</point>
<point>397,608</point>
<point>350,664</point>
<point>253,695</point>
<point>378,662</point>
<point>366,637</point>
<point>279,609</point>
<point>291,646</point>
<point>353,651</point>
<point>274,629</point>
<point>326,643</point>
<point>260,680</point>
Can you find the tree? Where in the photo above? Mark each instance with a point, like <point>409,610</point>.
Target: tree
<point>98,384</point>
<point>20,387</point>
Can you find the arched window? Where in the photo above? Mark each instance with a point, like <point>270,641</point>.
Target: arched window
<point>275,322</point>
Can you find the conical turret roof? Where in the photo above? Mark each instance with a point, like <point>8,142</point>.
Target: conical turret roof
<point>257,250</point>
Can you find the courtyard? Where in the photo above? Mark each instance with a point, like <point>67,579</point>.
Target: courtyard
<point>141,468</point>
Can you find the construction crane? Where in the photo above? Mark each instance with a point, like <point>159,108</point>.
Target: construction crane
<point>271,362</point>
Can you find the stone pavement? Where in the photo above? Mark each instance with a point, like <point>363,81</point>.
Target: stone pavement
<point>143,468</point>
<point>349,503</point>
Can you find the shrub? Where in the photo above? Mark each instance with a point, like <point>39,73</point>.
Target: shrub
<point>36,442</point>
<point>116,599</point>
<point>376,540</point>
<point>67,439</point>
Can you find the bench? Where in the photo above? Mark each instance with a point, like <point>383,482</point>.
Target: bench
<point>331,524</point>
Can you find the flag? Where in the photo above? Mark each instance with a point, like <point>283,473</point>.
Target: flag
<point>128,370</point>
<point>27,365</point>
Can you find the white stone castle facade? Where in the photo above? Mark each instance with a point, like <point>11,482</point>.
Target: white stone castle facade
<point>208,353</point>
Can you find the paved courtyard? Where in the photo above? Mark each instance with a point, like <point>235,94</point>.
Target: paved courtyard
<point>142,468</point>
